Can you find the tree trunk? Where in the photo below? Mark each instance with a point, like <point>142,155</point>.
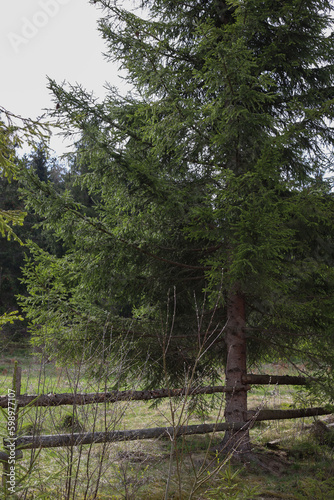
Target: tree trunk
<point>236,441</point>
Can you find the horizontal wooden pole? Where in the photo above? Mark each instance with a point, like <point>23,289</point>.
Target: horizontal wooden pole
<point>76,439</point>
<point>273,379</point>
<point>285,414</point>
<point>114,396</point>
<point>146,395</point>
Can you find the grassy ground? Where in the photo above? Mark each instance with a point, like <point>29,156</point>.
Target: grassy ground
<point>296,467</point>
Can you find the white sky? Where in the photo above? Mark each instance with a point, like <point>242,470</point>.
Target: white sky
<point>55,38</point>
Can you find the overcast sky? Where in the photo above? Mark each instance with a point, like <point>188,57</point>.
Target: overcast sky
<point>55,38</point>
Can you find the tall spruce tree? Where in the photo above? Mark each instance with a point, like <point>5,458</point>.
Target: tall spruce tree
<point>211,198</point>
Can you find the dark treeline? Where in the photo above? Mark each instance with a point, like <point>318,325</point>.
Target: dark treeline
<point>14,252</point>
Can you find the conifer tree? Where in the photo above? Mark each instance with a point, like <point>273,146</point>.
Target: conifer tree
<point>209,180</point>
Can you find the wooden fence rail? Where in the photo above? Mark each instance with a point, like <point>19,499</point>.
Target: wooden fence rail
<point>76,439</point>
<point>115,396</point>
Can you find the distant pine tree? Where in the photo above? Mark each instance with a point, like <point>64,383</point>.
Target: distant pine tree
<point>38,162</point>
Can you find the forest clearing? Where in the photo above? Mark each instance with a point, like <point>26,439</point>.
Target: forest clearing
<point>293,460</point>
<point>170,278</point>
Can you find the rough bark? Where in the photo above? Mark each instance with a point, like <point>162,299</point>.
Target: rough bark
<point>236,441</point>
